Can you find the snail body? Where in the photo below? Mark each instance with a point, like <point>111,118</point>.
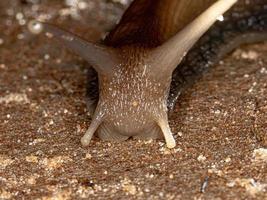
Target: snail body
<point>137,71</point>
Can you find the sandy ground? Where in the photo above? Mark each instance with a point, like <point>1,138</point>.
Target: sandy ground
<point>220,123</point>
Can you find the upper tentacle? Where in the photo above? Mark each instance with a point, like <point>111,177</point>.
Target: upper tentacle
<point>103,59</point>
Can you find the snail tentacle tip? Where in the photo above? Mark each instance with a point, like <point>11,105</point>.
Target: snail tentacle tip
<point>85,141</point>
<point>170,141</point>
<point>35,27</point>
<point>171,144</point>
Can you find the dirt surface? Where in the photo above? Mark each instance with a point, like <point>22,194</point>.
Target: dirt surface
<point>220,123</point>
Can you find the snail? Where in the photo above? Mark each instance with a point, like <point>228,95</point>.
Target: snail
<point>158,48</point>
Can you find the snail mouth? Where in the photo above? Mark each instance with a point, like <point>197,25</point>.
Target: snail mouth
<point>107,133</point>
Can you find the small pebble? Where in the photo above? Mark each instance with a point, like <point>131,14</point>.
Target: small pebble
<point>260,154</point>
<point>20,36</point>
<point>22,22</point>
<point>82,5</point>
<point>79,129</point>
<point>250,55</point>
<point>217,112</point>
<point>128,187</point>
<point>180,134</point>
<point>88,156</point>
<point>32,159</point>
<point>46,56</point>
<point>19,16</point>
<point>201,158</point>
<point>51,122</point>
<point>35,27</point>
<point>263,70</point>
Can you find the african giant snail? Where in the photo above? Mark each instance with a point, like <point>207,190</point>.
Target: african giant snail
<point>138,67</point>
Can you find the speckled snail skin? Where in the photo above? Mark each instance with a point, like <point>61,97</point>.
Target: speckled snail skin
<point>141,70</point>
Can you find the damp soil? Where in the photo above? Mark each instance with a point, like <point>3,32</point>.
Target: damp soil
<point>220,123</point>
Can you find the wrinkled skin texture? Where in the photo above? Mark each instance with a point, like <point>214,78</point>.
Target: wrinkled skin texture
<point>132,114</point>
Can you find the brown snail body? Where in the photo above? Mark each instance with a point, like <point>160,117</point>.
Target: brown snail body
<point>138,62</point>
